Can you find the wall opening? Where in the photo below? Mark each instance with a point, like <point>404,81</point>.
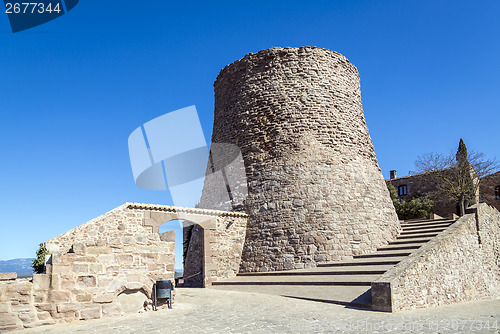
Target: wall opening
<point>172,230</point>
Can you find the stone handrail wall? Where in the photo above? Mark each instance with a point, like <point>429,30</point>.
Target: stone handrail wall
<point>460,264</point>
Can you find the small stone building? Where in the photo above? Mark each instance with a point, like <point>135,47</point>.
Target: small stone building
<point>490,190</point>
<point>424,184</point>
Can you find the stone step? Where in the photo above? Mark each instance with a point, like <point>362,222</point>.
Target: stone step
<point>420,221</point>
<point>327,270</point>
<point>420,241</point>
<point>303,280</point>
<point>434,230</point>
<point>400,247</point>
<point>416,235</point>
<point>360,263</point>
<point>427,224</point>
<point>423,228</point>
<point>357,296</point>
<point>380,254</point>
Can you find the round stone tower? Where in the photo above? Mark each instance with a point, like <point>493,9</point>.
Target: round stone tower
<point>315,190</point>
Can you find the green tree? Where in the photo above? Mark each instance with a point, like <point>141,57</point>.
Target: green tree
<point>417,207</point>
<point>460,174</point>
<point>39,263</point>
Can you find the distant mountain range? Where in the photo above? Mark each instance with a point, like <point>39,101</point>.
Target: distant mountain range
<point>21,266</point>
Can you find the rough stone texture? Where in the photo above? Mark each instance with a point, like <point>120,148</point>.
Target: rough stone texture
<point>96,271</point>
<point>8,276</point>
<point>487,190</point>
<point>313,178</point>
<point>118,222</point>
<point>213,251</point>
<point>460,264</point>
<point>226,312</point>
<point>77,285</point>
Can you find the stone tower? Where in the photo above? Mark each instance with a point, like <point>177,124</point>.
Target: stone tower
<point>315,190</point>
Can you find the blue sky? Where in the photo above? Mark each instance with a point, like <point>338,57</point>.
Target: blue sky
<point>72,90</point>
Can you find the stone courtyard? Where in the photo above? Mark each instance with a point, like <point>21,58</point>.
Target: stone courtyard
<point>317,221</point>
<point>213,311</point>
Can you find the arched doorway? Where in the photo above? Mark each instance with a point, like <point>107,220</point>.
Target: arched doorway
<point>189,251</point>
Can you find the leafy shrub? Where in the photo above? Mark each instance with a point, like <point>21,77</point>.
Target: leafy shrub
<point>418,207</point>
<point>39,262</point>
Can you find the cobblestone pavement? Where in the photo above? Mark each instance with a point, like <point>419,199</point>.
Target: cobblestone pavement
<point>216,311</point>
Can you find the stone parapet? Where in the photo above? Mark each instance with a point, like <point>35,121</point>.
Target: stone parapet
<point>460,264</point>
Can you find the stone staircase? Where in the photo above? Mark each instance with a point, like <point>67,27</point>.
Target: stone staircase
<point>346,282</point>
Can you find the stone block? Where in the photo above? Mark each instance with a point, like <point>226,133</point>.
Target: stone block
<point>22,288</point>
<point>59,296</point>
<point>8,319</point>
<point>166,258</point>
<point>43,315</point>
<point>98,250</point>
<point>65,316</point>
<point>79,248</point>
<point>86,281</point>
<point>55,281</point>
<point>135,269</point>
<point>110,310</point>
<point>104,298</point>
<point>155,268</point>
<point>133,285</point>
<point>4,307</point>
<point>39,297</point>
<point>124,259</point>
<point>41,282</point>
<point>91,312</point>
<point>149,258</point>
<point>168,236</point>
<point>20,308</point>
<point>80,268</point>
<point>8,276</point>
<point>61,269</point>
<point>83,297</point>
<point>26,317</point>
<point>96,268</point>
<point>45,307</point>
<point>106,258</point>
<point>67,283</point>
<point>69,307</point>
<point>117,283</point>
<point>113,270</point>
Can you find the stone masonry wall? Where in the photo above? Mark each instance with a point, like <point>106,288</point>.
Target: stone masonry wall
<point>108,266</point>
<point>487,190</point>
<point>315,190</point>
<point>460,264</point>
<point>118,222</point>
<point>214,250</point>
<point>98,279</point>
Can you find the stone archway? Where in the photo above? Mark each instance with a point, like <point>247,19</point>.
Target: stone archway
<point>198,236</point>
